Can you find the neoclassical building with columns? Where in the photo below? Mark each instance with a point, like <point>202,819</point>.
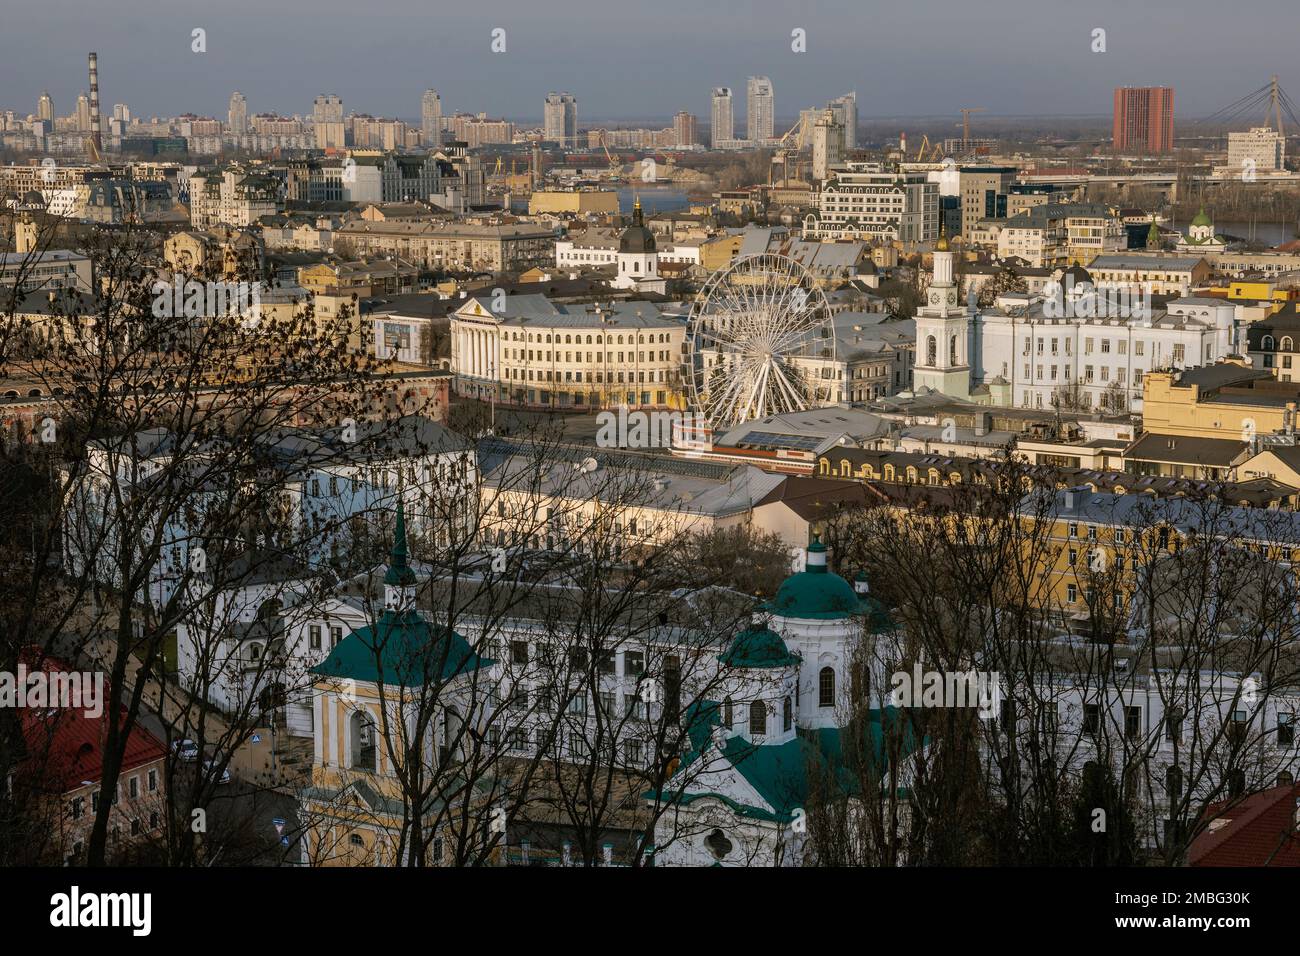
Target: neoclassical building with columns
<point>527,351</point>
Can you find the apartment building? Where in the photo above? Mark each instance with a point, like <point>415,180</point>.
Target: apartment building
<point>869,201</point>
<point>1062,234</point>
<point>452,245</point>
<point>526,350</point>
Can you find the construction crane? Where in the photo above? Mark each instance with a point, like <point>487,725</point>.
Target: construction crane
<point>965,121</point>
<point>935,152</point>
<point>615,167</point>
<point>782,155</point>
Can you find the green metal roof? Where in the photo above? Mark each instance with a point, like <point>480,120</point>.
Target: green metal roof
<point>401,649</point>
<point>815,593</point>
<point>758,647</point>
<point>779,772</point>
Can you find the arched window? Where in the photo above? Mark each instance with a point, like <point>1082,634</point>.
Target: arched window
<point>787,715</point>
<point>362,728</point>
<point>826,687</point>
<point>757,719</point>
<point>1267,343</point>
<point>952,350</point>
<point>931,350</point>
<point>1287,344</point>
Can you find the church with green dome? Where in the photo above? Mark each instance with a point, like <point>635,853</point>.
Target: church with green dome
<point>1200,238</point>
<point>741,792</point>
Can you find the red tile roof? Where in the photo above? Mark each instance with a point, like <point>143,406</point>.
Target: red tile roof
<point>1260,830</point>
<point>65,746</point>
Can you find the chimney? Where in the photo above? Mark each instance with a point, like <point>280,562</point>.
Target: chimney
<point>96,136</point>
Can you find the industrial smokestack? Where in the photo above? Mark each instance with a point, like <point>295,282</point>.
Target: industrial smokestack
<point>96,136</point>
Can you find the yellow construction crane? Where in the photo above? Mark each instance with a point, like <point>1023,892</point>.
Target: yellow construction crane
<point>781,156</point>
<point>496,170</point>
<point>615,167</point>
<point>934,151</point>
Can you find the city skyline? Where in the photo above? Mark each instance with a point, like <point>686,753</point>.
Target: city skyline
<point>1054,71</point>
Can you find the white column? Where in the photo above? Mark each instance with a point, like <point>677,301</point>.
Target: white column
<point>318,737</point>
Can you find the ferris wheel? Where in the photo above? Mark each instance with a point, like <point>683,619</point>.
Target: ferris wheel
<point>763,342</point>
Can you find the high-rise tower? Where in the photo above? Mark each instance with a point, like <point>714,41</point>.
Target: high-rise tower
<point>237,116</point>
<point>722,119</point>
<point>431,118</point>
<point>761,109</point>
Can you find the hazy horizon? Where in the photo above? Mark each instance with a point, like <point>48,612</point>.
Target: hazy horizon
<point>1016,58</point>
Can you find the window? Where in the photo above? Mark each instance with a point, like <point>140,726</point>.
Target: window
<point>1286,730</point>
<point>519,652</point>
<point>1132,722</point>
<point>1071,593</point>
<point>757,718</point>
<point>362,729</point>
<point>1236,782</point>
<point>77,808</point>
<point>153,780</point>
<point>133,788</point>
<point>826,687</point>
<point>787,715</point>
<point>314,632</point>
<point>1091,718</point>
<point>633,663</point>
<point>1237,727</point>
<point>1174,784</point>
<point>336,635</point>
<point>355,839</point>
<point>1174,725</point>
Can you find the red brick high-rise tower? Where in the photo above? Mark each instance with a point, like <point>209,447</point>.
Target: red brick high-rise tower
<point>1144,119</point>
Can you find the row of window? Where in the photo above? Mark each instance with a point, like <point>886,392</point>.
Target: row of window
<point>599,339</point>
<point>77,805</point>
<point>517,375</point>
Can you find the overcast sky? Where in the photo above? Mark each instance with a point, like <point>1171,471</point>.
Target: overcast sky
<point>644,58</point>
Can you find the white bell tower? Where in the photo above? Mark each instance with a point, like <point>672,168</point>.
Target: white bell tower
<point>942,332</point>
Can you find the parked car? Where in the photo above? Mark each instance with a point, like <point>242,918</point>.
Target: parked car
<point>210,765</point>
<point>186,750</point>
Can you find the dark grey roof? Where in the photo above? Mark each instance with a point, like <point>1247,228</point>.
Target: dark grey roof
<point>1208,377</point>
<point>1183,449</point>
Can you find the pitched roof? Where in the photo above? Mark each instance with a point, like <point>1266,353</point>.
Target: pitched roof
<point>65,744</point>
<point>1260,830</point>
